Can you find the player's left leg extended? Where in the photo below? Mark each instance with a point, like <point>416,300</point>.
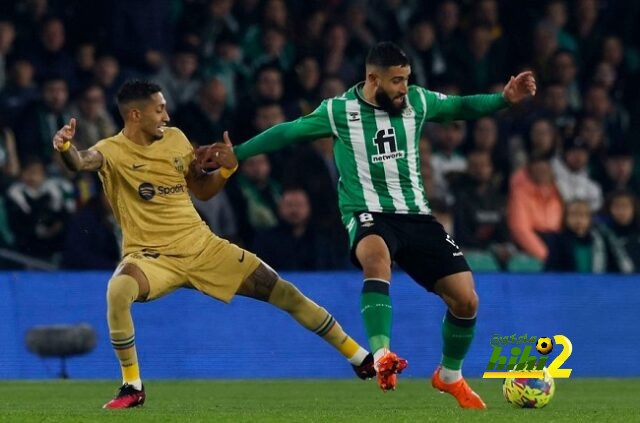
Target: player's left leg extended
<point>264,284</point>
<point>458,327</point>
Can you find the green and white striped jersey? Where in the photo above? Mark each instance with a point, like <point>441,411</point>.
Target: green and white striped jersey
<point>377,154</point>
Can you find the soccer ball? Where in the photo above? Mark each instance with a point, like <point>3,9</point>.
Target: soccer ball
<point>544,345</point>
<point>529,392</point>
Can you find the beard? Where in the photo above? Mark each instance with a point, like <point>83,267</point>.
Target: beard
<point>386,103</point>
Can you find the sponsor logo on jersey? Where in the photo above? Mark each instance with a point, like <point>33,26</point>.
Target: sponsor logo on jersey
<point>147,191</point>
<point>387,146</point>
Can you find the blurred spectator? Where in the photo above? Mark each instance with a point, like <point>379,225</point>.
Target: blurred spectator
<point>42,119</point>
<point>557,107</point>
<point>254,196</point>
<point>275,49</point>
<point>7,37</point>
<point>449,34</point>
<point>219,20</point>
<point>85,61</point>
<point>9,163</point>
<point>93,120</point>
<point>302,94</point>
<point>218,214</point>
<point>477,66</point>
<point>268,87</point>
<point>38,208</point>
<point>228,66</point>
<point>571,174</point>
<point>582,247</point>
<point>363,23</point>
<point>332,86</point>
<point>386,19</point>
<point>106,73</point>
<point>296,244</point>
<point>19,91</point>
<point>178,78</point>
<point>335,56</point>
<point>545,44</point>
<point>428,63</point>
<point>556,14</point>
<point>619,167</point>
<point>623,219</point>
<point>588,30</point>
<point>480,207</point>
<point>312,168</point>
<point>269,42</point>
<point>142,33</point>
<point>51,58</point>
<point>93,237</point>
<point>598,104</point>
<point>564,71</point>
<point>447,158</point>
<point>534,206</point>
<point>204,121</point>
<point>484,137</point>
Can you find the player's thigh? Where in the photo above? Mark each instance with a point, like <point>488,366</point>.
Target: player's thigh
<point>220,268</point>
<point>374,244</point>
<point>430,255</point>
<point>162,273</point>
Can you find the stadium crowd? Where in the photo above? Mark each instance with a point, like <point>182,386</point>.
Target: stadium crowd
<point>549,185</point>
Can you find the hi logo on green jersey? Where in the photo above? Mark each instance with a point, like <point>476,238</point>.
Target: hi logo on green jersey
<point>527,365</point>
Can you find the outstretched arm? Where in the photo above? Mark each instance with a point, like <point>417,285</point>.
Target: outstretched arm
<point>307,128</point>
<point>441,108</point>
<point>73,159</point>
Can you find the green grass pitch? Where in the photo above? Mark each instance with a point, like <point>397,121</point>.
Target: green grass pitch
<point>614,400</point>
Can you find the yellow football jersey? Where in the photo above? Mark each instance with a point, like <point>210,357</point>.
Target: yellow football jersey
<point>147,190</point>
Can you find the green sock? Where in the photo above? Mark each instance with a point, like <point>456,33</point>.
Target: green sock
<point>457,335</point>
<point>375,307</point>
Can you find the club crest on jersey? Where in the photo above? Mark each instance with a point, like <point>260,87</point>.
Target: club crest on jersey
<point>177,162</point>
<point>387,146</point>
<point>408,112</point>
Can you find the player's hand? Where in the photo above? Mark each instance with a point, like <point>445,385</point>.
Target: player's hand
<point>519,87</point>
<point>64,134</point>
<point>217,155</point>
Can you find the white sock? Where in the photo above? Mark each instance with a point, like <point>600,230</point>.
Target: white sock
<point>135,383</point>
<point>379,354</point>
<point>450,376</point>
<point>359,357</point>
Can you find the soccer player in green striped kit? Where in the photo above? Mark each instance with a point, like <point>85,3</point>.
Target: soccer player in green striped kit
<point>376,127</point>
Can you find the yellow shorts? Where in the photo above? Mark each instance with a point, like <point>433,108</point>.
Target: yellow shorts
<point>217,269</point>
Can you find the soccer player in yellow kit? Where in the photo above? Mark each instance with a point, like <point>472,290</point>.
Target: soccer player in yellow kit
<point>146,170</point>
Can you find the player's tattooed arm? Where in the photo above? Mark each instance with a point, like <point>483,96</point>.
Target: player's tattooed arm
<point>73,159</point>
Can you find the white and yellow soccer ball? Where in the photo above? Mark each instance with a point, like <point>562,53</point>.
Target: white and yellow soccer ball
<point>529,392</point>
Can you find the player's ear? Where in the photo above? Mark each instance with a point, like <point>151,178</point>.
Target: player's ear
<point>135,114</point>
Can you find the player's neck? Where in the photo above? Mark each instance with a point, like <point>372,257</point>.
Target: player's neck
<point>136,136</point>
<point>369,94</point>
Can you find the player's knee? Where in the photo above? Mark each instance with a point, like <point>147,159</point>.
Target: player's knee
<point>466,307</point>
<point>375,263</point>
<point>121,292</point>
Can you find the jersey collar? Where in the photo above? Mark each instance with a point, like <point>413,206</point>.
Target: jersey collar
<point>357,90</point>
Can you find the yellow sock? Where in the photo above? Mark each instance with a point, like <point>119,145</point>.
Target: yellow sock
<point>130,373</point>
